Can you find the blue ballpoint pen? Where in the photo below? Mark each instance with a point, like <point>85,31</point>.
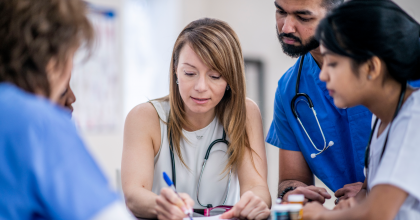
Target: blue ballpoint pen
<point>180,205</point>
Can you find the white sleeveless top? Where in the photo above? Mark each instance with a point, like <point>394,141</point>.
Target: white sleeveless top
<point>213,187</point>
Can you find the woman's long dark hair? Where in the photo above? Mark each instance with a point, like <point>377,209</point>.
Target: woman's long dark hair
<point>361,29</point>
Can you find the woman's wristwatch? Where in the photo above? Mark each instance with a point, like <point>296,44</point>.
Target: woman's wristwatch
<point>290,188</point>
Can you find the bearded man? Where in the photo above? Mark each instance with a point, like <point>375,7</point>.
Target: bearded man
<point>325,141</point>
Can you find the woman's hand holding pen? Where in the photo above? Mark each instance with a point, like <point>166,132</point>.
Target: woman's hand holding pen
<point>170,206</point>
<point>250,206</point>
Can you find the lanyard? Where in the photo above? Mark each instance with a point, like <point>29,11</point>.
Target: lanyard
<point>367,152</point>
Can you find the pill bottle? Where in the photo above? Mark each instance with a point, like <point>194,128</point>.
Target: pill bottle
<point>296,199</point>
<point>295,211</point>
<point>280,212</point>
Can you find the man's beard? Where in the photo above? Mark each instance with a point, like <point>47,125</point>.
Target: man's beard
<point>296,51</point>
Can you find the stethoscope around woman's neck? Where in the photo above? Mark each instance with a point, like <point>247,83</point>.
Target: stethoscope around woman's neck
<point>206,157</point>
<point>367,152</point>
<point>308,101</point>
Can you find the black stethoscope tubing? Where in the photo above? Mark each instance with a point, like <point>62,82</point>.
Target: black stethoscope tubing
<point>367,152</point>
<point>206,157</point>
<point>297,95</point>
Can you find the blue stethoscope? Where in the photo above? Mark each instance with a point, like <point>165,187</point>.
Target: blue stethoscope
<point>206,157</point>
<point>308,101</point>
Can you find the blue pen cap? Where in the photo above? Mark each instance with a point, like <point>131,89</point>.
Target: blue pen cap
<point>167,179</point>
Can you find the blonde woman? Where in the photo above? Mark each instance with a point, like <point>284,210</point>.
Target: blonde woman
<point>206,103</point>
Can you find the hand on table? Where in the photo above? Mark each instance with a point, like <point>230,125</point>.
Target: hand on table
<point>348,190</point>
<point>249,206</point>
<point>313,193</point>
<point>313,210</point>
<point>167,207</point>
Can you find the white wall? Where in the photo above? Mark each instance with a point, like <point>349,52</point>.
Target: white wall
<point>107,147</point>
<point>145,40</point>
<point>412,7</point>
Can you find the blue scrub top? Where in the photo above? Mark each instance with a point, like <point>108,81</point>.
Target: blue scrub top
<point>46,171</point>
<point>349,128</point>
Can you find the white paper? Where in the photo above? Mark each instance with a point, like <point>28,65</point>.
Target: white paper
<point>216,217</point>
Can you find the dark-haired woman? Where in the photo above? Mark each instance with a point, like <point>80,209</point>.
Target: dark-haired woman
<point>371,49</point>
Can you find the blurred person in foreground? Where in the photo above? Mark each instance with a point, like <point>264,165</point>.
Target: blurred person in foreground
<point>174,134</point>
<point>371,49</point>
<point>46,171</point>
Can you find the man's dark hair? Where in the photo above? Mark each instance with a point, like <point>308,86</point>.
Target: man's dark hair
<point>362,29</point>
<point>34,32</point>
<point>331,4</point>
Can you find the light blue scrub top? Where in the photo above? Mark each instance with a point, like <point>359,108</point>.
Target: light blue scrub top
<point>46,171</point>
<point>349,128</point>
